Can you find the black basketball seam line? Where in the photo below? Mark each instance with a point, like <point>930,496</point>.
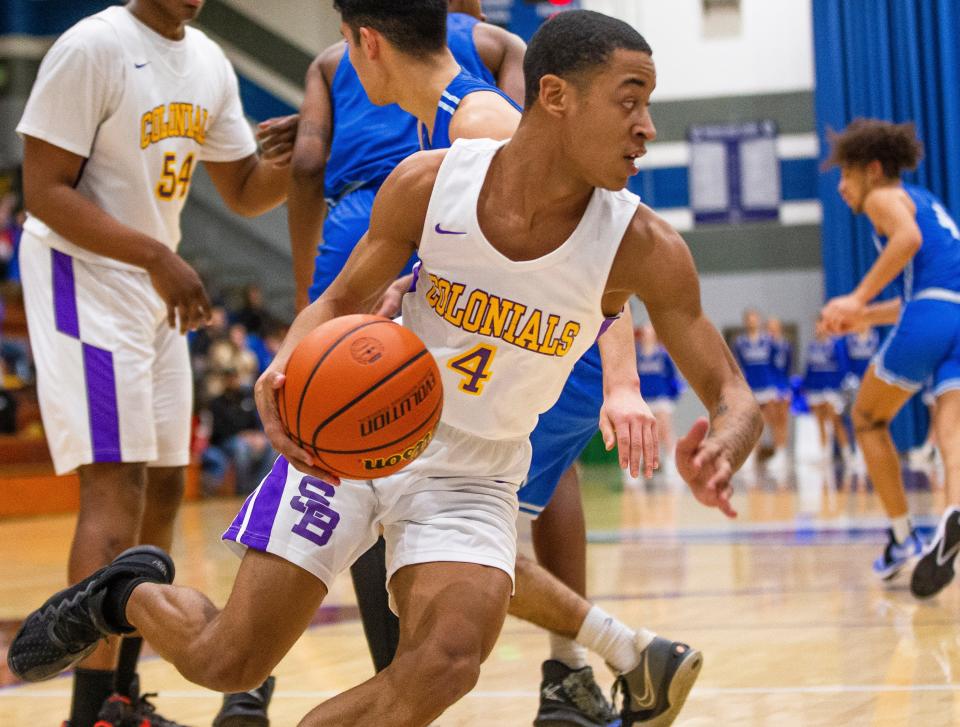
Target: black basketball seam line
<point>385,444</point>
<point>359,397</point>
<point>306,384</point>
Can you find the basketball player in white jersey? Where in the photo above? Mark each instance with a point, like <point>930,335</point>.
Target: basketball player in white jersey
<point>550,229</point>
<point>126,105</point>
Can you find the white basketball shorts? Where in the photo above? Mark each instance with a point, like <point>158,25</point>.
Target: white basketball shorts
<point>113,378</point>
<point>456,503</point>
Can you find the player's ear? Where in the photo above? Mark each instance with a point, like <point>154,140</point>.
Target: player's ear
<point>369,42</point>
<point>874,170</point>
<point>554,94</point>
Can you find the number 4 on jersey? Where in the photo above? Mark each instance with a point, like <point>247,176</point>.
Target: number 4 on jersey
<point>474,366</point>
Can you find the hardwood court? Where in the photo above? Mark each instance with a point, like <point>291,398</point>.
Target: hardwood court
<point>793,626</point>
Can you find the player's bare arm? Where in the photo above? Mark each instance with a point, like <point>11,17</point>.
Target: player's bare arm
<point>250,186</point>
<point>276,137</point>
<point>655,264</point>
<point>49,178</point>
<point>625,418</point>
<point>502,52</point>
<point>893,215</point>
<point>396,225</point>
<point>306,206</point>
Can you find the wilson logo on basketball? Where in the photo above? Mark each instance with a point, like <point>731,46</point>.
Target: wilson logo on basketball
<point>366,350</point>
<point>400,408</point>
<point>410,453</point>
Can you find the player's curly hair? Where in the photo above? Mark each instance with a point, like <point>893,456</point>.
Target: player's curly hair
<point>895,146</point>
<point>573,42</point>
<point>416,27</point>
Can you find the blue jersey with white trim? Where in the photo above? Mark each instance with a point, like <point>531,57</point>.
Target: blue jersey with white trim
<point>826,364</point>
<point>658,377</point>
<point>935,270</point>
<point>368,140</point>
<point>781,361</point>
<point>459,88</point>
<point>755,356</point>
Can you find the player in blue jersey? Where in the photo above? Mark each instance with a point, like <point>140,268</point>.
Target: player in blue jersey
<point>781,363</point>
<point>345,147</point>
<point>825,370</point>
<point>919,246</point>
<point>660,386</point>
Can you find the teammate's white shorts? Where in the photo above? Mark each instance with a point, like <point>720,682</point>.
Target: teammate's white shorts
<point>113,379</point>
<point>456,503</point>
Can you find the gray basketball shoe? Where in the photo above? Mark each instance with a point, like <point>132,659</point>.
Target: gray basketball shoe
<point>571,698</point>
<point>654,691</point>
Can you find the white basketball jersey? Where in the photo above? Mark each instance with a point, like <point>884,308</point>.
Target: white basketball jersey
<point>144,111</point>
<point>506,334</point>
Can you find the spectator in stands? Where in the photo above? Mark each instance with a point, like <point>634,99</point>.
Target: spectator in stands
<point>9,235</point>
<point>8,405</point>
<point>232,352</point>
<point>781,363</point>
<point>236,438</point>
<point>254,317</point>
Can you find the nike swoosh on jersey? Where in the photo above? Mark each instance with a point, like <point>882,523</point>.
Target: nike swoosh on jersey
<point>442,231</point>
<point>140,65</point>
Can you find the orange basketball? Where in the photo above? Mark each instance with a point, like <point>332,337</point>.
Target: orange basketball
<point>362,395</point>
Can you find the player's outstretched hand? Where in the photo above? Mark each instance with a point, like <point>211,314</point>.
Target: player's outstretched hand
<point>706,468</point>
<point>843,314</point>
<point>391,301</point>
<point>276,137</point>
<point>265,393</point>
<point>179,286</point>
<point>627,423</point>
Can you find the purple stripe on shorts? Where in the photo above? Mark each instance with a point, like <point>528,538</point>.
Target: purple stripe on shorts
<point>234,529</point>
<point>64,294</point>
<point>267,504</point>
<point>416,277</point>
<point>102,404</point>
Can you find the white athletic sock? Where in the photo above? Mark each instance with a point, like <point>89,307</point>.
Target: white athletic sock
<point>618,644</point>
<point>568,651</point>
<point>901,528</point>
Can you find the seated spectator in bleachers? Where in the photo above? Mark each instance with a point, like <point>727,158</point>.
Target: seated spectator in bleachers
<point>254,317</point>
<point>232,352</point>
<point>8,405</point>
<point>235,438</point>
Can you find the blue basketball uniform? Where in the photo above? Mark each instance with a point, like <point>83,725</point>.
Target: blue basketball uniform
<point>926,340</point>
<point>452,96</point>
<point>755,356</point>
<point>659,384</point>
<point>860,351</point>
<point>368,143</point>
<point>781,363</point>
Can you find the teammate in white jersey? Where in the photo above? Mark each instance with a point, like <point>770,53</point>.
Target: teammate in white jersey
<point>127,103</point>
<point>555,236</point>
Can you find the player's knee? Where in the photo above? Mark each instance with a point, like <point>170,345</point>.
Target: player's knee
<point>450,671</point>
<point>866,420</point>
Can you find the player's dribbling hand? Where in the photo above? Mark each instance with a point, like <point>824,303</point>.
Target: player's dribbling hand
<point>179,286</point>
<point>706,468</point>
<point>627,422</point>
<point>843,314</point>
<point>276,137</point>
<point>265,394</point>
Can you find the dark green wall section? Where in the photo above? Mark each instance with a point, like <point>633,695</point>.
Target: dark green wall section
<point>727,249</point>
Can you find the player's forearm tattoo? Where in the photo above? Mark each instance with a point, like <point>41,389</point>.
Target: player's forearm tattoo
<point>735,423</point>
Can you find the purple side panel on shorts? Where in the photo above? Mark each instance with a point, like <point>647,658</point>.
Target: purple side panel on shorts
<point>416,277</point>
<point>266,506</point>
<point>234,529</point>
<point>607,322</point>
<point>64,294</point>
<point>102,404</point>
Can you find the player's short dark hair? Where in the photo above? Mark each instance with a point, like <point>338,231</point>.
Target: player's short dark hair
<point>895,146</point>
<point>573,42</point>
<point>415,27</point>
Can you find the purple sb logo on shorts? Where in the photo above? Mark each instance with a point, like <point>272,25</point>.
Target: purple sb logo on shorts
<point>319,519</point>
